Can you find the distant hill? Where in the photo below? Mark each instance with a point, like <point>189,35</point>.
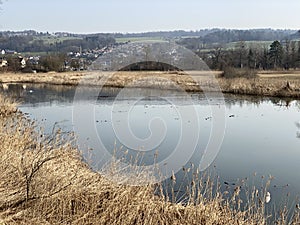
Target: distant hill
<point>226,36</point>
<point>295,36</point>
<point>168,34</point>
<point>33,41</point>
<point>230,36</point>
<point>218,35</point>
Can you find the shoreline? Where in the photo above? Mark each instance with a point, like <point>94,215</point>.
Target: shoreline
<point>267,83</point>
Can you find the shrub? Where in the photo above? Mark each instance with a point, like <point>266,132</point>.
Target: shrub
<point>231,72</point>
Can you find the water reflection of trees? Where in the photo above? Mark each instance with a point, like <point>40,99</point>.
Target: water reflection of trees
<point>298,126</point>
<point>39,93</point>
<point>43,93</point>
<point>248,100</point>
<point>286,103</point>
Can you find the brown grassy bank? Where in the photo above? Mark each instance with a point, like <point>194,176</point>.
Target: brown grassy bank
<point>151,79</point>
<point>44,181</point>
<point>268,83</point>
<point>262,86</point>
<point>71,78</point>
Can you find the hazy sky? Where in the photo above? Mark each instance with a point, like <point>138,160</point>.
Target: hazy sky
<point>85,16</point>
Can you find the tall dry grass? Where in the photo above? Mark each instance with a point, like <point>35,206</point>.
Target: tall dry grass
<point>275,87</point>
<point>7,106</point>
<point>44,180</point>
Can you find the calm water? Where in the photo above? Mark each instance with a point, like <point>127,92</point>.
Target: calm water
<point>260,136</point>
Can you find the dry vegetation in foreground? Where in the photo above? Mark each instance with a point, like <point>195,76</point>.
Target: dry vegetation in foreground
<point>43,180</point>
<point>266,83</point>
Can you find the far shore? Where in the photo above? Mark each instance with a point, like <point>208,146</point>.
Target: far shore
<point>267,83</point>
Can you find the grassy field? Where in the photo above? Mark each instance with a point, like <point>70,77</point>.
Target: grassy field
<point>35,53</point>
<point>139,39</point>
<point>234,45</point>
<point>53,39</point>
<point>250,44</point>
<point>43,180</point>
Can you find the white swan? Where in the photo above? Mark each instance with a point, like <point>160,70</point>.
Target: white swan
<point>268,197</point>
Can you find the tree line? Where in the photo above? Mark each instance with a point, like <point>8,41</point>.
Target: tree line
<point>283,54</point>
<point>279,55</point>
<point>50,62</point>
<point>30,43</point>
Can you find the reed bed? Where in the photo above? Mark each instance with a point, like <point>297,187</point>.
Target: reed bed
<point>268,83</point>
<point>262,86</point>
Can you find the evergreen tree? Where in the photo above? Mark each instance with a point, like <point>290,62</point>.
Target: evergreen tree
<point>276,54</point>
<point>251,59</point>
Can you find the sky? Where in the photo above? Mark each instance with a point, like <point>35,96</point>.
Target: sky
<point>92,16</point>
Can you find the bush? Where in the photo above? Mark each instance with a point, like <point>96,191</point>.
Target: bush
<point>52,62</point>
<point>231,72</point>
